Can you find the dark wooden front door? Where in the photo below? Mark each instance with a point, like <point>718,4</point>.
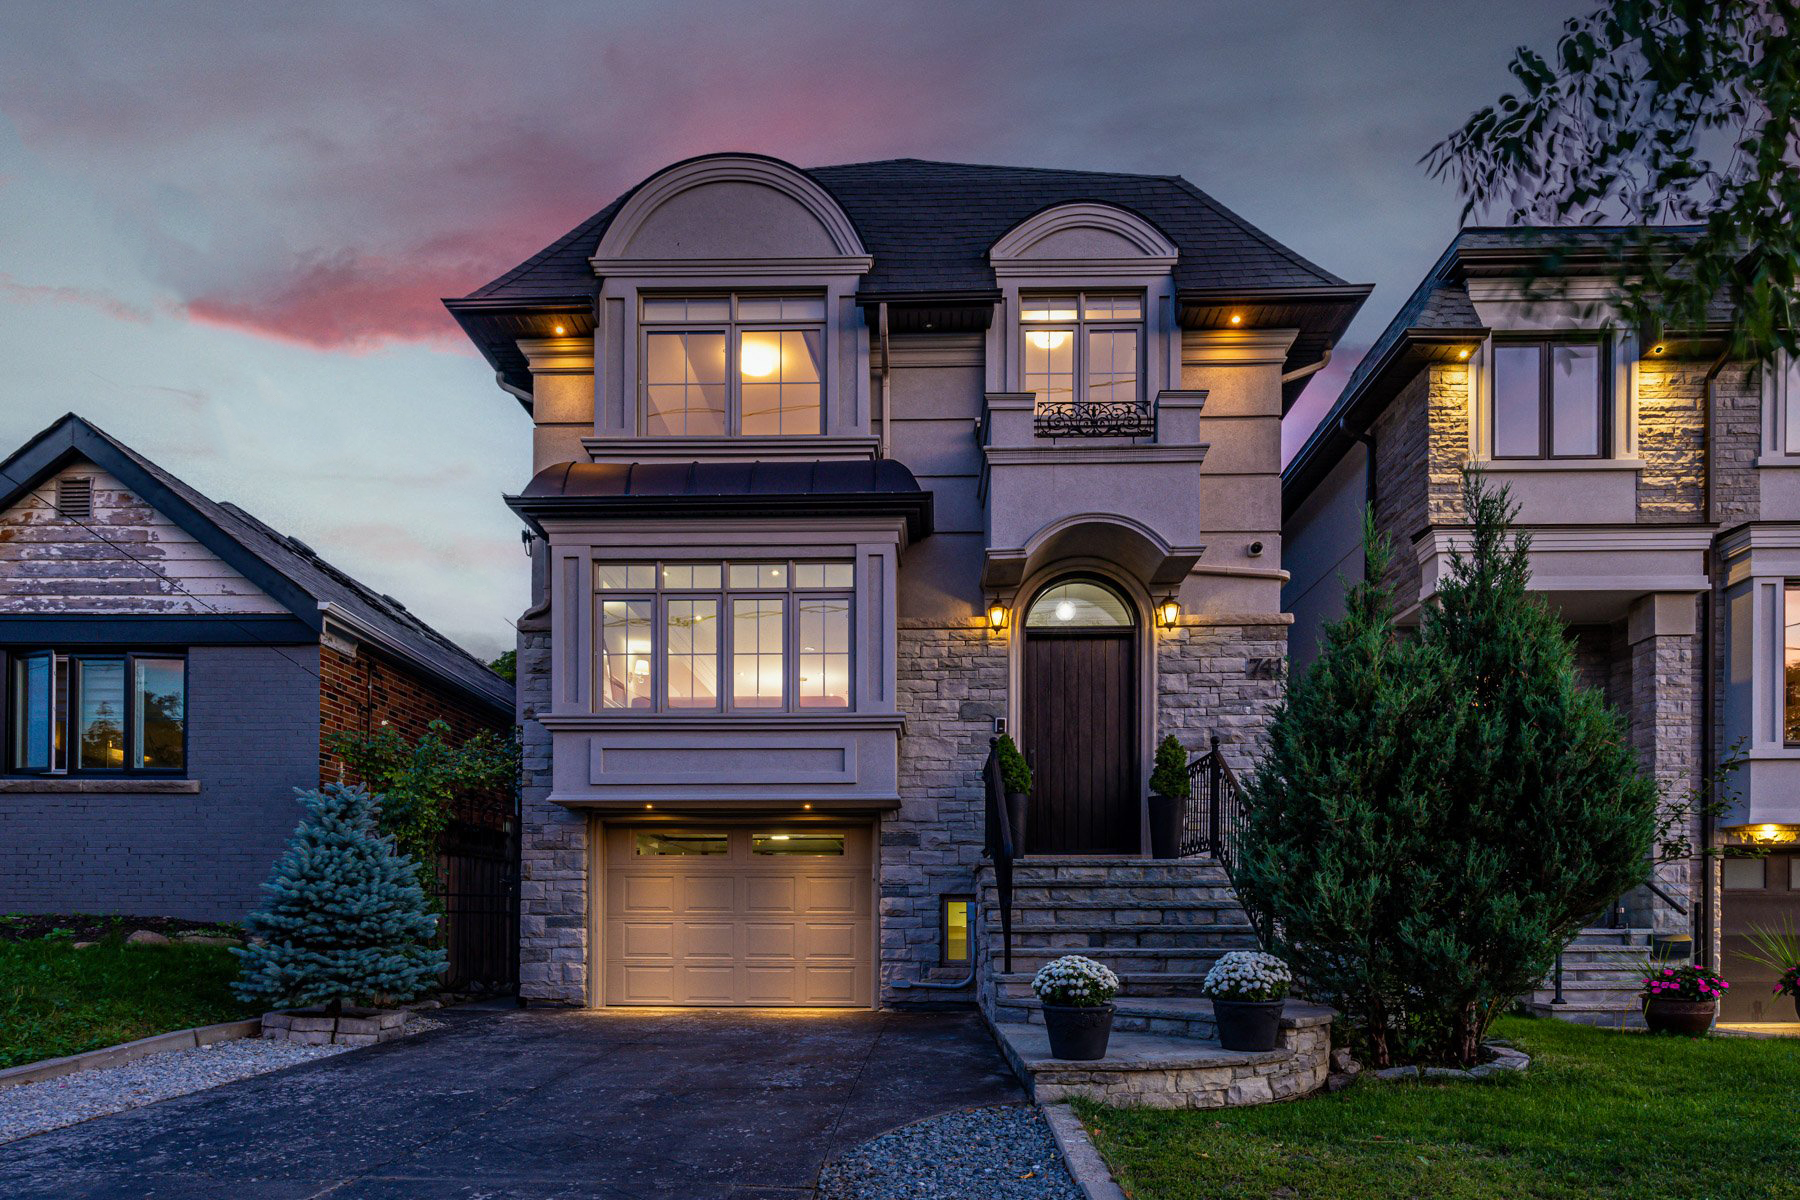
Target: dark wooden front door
<point>1080,714</point>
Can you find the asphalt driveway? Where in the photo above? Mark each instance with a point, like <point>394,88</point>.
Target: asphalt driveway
<point>565,1105</point>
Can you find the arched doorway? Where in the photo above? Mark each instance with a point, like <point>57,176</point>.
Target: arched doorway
<point>1079,703</point>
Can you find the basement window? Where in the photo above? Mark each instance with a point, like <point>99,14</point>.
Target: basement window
<point>955,918</point>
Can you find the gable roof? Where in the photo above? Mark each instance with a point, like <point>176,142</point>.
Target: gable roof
<point>284,567</point>
<point>1438,319</point>
<point>929,226</point>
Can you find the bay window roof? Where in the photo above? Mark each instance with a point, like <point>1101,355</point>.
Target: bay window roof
<point>860,487</point>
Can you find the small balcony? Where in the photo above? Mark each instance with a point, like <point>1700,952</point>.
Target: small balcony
<point>1094,419</point>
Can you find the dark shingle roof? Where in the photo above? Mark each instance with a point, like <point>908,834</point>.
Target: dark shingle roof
<point>929,226</point>
<point>291,561</point>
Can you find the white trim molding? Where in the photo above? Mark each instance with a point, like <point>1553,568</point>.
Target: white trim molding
<point>1011,254</point>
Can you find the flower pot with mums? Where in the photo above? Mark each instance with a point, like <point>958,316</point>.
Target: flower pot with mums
<point>1682,1000</point>
<point>1248,989</point>
<point>1077,996</point>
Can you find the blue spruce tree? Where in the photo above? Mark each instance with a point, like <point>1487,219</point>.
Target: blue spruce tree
<point>345,920</point>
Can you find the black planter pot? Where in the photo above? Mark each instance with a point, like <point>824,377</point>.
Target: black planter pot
<point>1166,821</point>
<point>1018,804</point>
<point>1078,1034</point>
<point>1248,1024</point>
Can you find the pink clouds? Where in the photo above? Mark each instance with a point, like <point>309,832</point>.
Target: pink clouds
<point>349,302</point>
<point>40,293</point>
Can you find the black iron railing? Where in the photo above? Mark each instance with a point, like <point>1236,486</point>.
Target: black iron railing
<point>1094,418</point>
<point>999,846</point>
<point>1215,809</point>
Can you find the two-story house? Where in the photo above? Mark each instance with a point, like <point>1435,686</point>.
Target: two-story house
<point>1660,482</point>
<point>839,473</point>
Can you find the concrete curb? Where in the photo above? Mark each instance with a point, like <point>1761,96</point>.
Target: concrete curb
<point>124,1052</point>
<point>1086,1167</point>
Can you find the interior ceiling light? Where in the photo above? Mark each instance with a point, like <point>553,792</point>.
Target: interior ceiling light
<point>760,359</point>
<point>1065,610</point>
<point>1048,339</point>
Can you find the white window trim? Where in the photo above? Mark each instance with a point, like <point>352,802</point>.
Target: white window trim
<point>732,327</point>
<point>1780,402</point>
<point>659,597</point>
<point>1622,351</point>
<point>1078,328</point>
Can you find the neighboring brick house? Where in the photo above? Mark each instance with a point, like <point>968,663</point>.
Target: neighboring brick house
<point>839,473</point>
<point>1660,481</point>
<point>172,667</point>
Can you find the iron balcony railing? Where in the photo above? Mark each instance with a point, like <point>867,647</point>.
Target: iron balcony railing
<point>1214,823</point>
<point>1094,418</point>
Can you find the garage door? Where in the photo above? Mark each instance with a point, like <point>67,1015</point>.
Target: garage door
<point>1759,893</point>
<point>759,916</point>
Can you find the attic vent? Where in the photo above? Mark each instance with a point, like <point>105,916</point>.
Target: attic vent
<point>75,497</point>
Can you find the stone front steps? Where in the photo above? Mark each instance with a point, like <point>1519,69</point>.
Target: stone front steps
<point>1602,973</point>
<point>1160,926</point>
<point>1160,1071</point>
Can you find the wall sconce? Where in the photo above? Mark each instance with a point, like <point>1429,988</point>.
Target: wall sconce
<point>996,615</point>
<point>1168,612</point>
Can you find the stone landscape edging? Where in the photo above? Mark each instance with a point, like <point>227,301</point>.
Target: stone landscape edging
<point>1507,1057</point>
<point>1080,1156</point>
<point>124,1052</point>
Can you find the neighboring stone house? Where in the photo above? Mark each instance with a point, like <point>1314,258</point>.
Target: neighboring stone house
<point>1660,482</point>
<point>841,472</point>
<point>173,668</point>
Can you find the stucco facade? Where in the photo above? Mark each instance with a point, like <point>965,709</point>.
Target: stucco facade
<point>971,509</point>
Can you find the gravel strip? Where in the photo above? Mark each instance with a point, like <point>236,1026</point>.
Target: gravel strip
<point>1000,1153</point>
<point>35,1107</point>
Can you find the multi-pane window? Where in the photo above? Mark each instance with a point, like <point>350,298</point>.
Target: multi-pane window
<point>1549,399</point>
<point>733,364</point>
<point>85,713</point>
<point>780,629</point>
<point>1790,664</point>
<point>1083,348</point>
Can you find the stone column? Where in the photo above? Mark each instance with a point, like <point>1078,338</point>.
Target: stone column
<point>1664,722</point>
<point>554,853</point>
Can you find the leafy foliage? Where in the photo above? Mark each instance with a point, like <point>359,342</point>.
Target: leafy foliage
<point>1015,772</point>
<point>419,781</point>
<point>506,666</point>
<point>345,919</point>
<point>1436,815</point>
<point>1658,111</point>
<point>1777,947</point>
<point>1169,773</point>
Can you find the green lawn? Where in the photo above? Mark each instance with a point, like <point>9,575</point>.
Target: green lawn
<point>1601,1115</point>
<point>56,1000</point>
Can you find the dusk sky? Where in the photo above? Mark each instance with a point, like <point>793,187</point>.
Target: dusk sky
<point>225,229</point>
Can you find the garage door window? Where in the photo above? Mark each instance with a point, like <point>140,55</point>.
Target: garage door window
<point>830,845</point>
<point>664,845</point>
<point>1744,874</point>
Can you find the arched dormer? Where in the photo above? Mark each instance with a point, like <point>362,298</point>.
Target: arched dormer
<point>1058,267</point>
<point>1086,237</point>
<point>732,208</point>
<point>728,320</point>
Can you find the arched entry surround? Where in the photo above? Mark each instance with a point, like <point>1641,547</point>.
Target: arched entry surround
<point>1139,599</point>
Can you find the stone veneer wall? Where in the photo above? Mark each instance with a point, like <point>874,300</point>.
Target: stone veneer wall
<point>1224,677</point>
<point>553,882</point>
<point>951,686</point>
<point>1421,445</point>
<point>1665,729</point>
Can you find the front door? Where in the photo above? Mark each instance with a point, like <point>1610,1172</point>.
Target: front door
<point>1080,731</point>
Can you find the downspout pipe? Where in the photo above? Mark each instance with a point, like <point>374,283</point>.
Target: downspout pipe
<point>1707,914</point>
<point>520,394</point>
<point>1309,369</point>
<point>881,320</point>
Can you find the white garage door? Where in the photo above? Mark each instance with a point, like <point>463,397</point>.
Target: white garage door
<point>758,916</point>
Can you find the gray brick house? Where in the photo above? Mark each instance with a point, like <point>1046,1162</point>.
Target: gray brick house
<point>839,473</point>
<point>1660,481</point>
<point>172,668</point>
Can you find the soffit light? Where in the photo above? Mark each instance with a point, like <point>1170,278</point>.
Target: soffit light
<point>1656,349</point>
<point>559,331</point>
<point>1463,353</point>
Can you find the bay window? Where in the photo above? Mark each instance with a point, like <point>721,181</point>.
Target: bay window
<point>1549,399</point>
<point>728,364</point>
<point>781,628</point>
<point>85,713</point>
<point>1083,349</point>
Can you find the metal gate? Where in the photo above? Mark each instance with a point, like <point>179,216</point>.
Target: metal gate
<point>478,876</point>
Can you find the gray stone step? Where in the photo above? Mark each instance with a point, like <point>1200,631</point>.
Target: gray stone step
<point>1167,1016</point>
<point>1076,937</point>
<point>1605,1016</point>
<point>1127,960</point>
<point>1177,913</point>
<point>1017,984</point>
<point>1055,895</point>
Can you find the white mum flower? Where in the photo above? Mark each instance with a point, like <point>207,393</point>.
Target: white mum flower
<point>1075,981</point>
<point>1248,975</point>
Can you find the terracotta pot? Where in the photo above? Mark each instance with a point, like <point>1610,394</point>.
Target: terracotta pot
<point>1167,817</point>
<point>1248,1024</point>
<point>1690,1018</point>
<point>1078,1034</point>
